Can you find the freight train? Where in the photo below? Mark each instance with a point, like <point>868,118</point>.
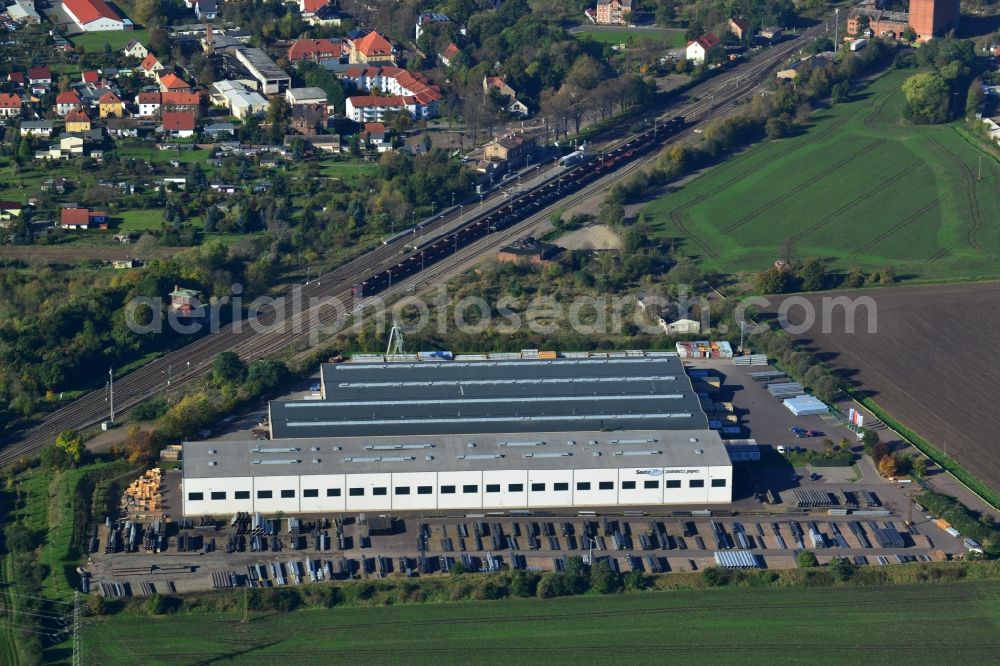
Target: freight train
<point>518,208</point>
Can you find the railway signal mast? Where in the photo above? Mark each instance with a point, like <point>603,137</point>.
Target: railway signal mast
<point>110,423</point>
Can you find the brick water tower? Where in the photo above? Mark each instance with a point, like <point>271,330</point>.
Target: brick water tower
<point>933,18</point>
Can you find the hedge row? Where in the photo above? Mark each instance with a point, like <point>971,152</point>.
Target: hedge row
<point>986,493</point>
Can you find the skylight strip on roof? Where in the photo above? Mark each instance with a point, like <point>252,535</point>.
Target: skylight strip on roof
<point>483,401</point>
<point>491,419</point>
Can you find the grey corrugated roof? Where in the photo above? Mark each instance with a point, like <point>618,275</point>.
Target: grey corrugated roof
<point>450,453</point>
<point>454,397</point>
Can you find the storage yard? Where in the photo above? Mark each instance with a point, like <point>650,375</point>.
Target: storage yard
<point>955,415</point>
<point>250,550</point>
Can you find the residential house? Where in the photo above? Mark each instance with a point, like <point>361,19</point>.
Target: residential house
<point>507,95</point>
<point>367,108</point>
<point>57,185</point>
<point>206,10</point>
<point>309,109</point>
<point>528,250</point>
<point>151,66</point>
<point>699,48</point>
<point>216,130</point>
<point>83,218</point>
<point>66,102</point>
<point>10,105</point>
<point>16,79</point>
<point>310,7</point>
<point>241,102</point>
<point>513,150</point>
<point>739,27</point>
<point>325,15</point>
<point>23,12</point>
<point>517,108</point>
<point>77,120</point>
<point>372,49</point>
<point>90,76</point>
<point>309,118</point>
<point>135,49</point>
<point>40,76</point>
<point>149,104</point>
<point>122,127</point>
<point>181,101</point>
<point>398,82</point>
<point>427,19</point>
<point>110,106</point>
<point>95,16</point>
<point>448,54</point>
<point>60,43</point>
<point>613,12</point>
<point>377,137</point>
<point>328,143</point>
<point>9,210</point>
<point>170,82</point>
<point>42,128</point>
<point>179,124</point>
<point>497,83</point>
<point>69,146</point>
<point>324,52</point>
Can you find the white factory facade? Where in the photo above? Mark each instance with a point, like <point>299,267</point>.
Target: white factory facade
<point>452,435</point>
<point>683,467</point>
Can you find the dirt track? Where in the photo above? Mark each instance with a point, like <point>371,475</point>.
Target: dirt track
<point>932,362</point>
<point>59,254</point>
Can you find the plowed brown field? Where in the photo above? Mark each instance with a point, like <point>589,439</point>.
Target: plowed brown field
<point>933,362</point>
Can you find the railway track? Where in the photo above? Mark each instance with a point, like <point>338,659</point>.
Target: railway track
<point>246,337</point>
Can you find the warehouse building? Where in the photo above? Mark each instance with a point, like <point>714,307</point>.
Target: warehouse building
<point>497,434</point>
<point>457,472</point>
<point>647,392</point>
<point>271,79</point>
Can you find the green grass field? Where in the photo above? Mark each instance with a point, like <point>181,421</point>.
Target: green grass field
<point>348,170</point>
<point>911,624</point>
<point>140,150</point>
<point>859,187</point>
<point>93,42</point>
<point>141,220</point>
<point>613,37</point>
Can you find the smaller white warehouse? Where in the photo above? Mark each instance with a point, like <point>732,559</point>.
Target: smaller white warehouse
<point>457,472</point>
<point>95,16</point>
<point>241,102</point>
<point>805,405</point>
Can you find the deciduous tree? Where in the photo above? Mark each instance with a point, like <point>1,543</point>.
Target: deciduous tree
<point>71,442</point>
<point>926,98</point>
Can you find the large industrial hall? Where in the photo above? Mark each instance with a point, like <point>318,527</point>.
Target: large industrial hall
<point>474,433</point>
